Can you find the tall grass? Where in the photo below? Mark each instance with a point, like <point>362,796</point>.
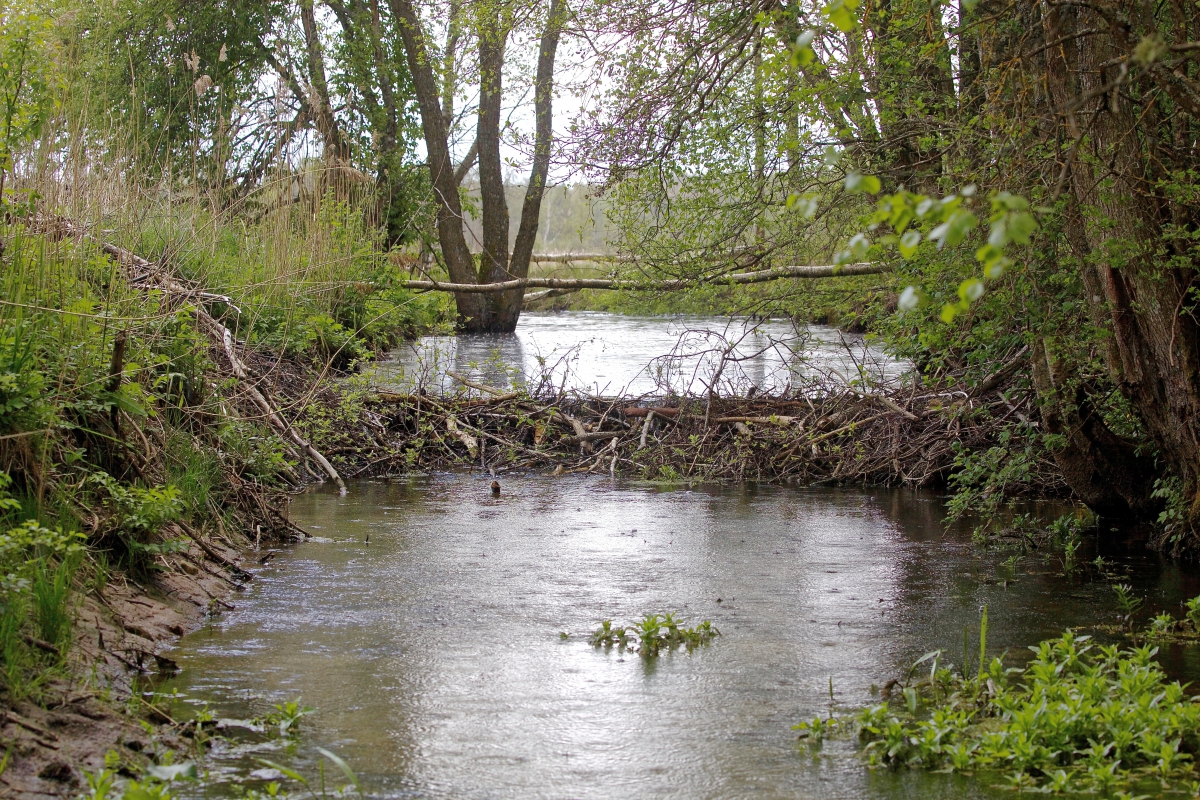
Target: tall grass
<point>114,411</point>
<point>51,592</point>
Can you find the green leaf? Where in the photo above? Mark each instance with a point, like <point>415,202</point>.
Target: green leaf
<point>291,773</point>
<point>857,182</point>
<point>859,244</point>
<point>988,254</point>
<point>805,204</point>
<point>998,235</point>
<point>1011,202</point>
<point>1021,227</point>
<point>970,290</point>
<point>996,269</point>
<point>949,312</point>
<point>343,766</point>
<point>901,217</point>
<point>960,224</point>
<point>174,772</point>
<point>908,243</point>
<point>841,15</point>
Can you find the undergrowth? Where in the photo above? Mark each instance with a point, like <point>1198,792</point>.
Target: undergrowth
<point>1078,717</point>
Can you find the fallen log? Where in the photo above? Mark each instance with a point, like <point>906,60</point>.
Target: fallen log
<point>728,279</point>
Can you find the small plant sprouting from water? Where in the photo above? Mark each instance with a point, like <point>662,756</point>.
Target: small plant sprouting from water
<point>1127,601</point>
<point>286,717</point>
<point>652,634</point>
<point>1193,612</point>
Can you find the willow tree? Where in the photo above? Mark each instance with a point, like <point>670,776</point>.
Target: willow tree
<point>490,25</point>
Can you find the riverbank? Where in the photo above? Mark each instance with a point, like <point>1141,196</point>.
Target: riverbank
<point>150,446</point>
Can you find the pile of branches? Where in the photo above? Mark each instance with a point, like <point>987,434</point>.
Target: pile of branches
<point>825,433</point>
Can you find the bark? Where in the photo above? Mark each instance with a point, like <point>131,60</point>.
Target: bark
<point>1155,358</point>
<point>507,306</point>
<point>460,263</point>
<point>719,279</point>
<point>493,266</point>
<point>482,309</point>
<point>1102,469</point>
<point>336,149</point>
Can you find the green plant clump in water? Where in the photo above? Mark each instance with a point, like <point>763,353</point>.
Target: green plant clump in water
<point>653,633</point>
<point>1080,717</point>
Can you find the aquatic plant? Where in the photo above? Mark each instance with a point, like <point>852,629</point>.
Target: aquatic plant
<point>653,633</point>
<point>286,716</point>
<point>1079,717</point>
<point>1127,602</point>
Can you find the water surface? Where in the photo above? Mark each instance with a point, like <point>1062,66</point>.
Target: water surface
<point>434,657</point>
<point>611,354</point>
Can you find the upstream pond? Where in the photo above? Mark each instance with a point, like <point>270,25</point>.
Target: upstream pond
<point>425,619</point>
<point>611,354</point>
<point>434,658</point>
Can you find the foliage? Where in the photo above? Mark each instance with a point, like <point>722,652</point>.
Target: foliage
<point>652,634</point>
<point>1078,717</point>
<point>28,79</point>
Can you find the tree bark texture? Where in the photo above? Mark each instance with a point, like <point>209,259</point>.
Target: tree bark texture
<point>460,263</point>
<point>1136,270</point>
<point>490,312</point>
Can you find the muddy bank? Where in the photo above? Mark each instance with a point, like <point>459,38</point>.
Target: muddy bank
<point>121,632</point>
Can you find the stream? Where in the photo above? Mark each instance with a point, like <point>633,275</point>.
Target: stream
<point>610,354</point>
<point>424,622</point>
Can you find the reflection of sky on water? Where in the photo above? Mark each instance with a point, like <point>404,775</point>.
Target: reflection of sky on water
<point>612,354</point>
<point>434,660</point>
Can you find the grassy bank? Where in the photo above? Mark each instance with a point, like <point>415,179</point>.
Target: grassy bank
<point>135,463</point>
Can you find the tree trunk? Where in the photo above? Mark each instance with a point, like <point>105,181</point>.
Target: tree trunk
<point>506,306</point>
<point>493,262</point>
<point>1155,358</point>
<point>473,313</point>
<point>1102,469</point>
<point>336,150</point>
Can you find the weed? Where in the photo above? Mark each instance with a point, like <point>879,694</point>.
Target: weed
<point>653,633</point>
<point>51,591</point>
<point>286,717</point>
<point>1078,717</point>
<point>816,729</point>
<point>1162,625</point>
<point>1127,602</point>
<point>1193,612</point>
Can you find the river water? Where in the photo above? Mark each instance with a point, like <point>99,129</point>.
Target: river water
<point>433,654</point>
<point>424,620</point>
<point>610,354</point>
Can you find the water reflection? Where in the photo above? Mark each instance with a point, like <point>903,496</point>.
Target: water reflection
<point>433,653</point>
<point>612,354</point>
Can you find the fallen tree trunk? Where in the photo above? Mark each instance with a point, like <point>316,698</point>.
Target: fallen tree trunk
<point>731,279</point>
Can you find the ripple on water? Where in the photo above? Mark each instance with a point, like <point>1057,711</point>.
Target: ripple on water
<point>434,658</point>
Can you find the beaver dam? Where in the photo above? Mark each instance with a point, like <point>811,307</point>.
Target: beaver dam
<point>754,404</point>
